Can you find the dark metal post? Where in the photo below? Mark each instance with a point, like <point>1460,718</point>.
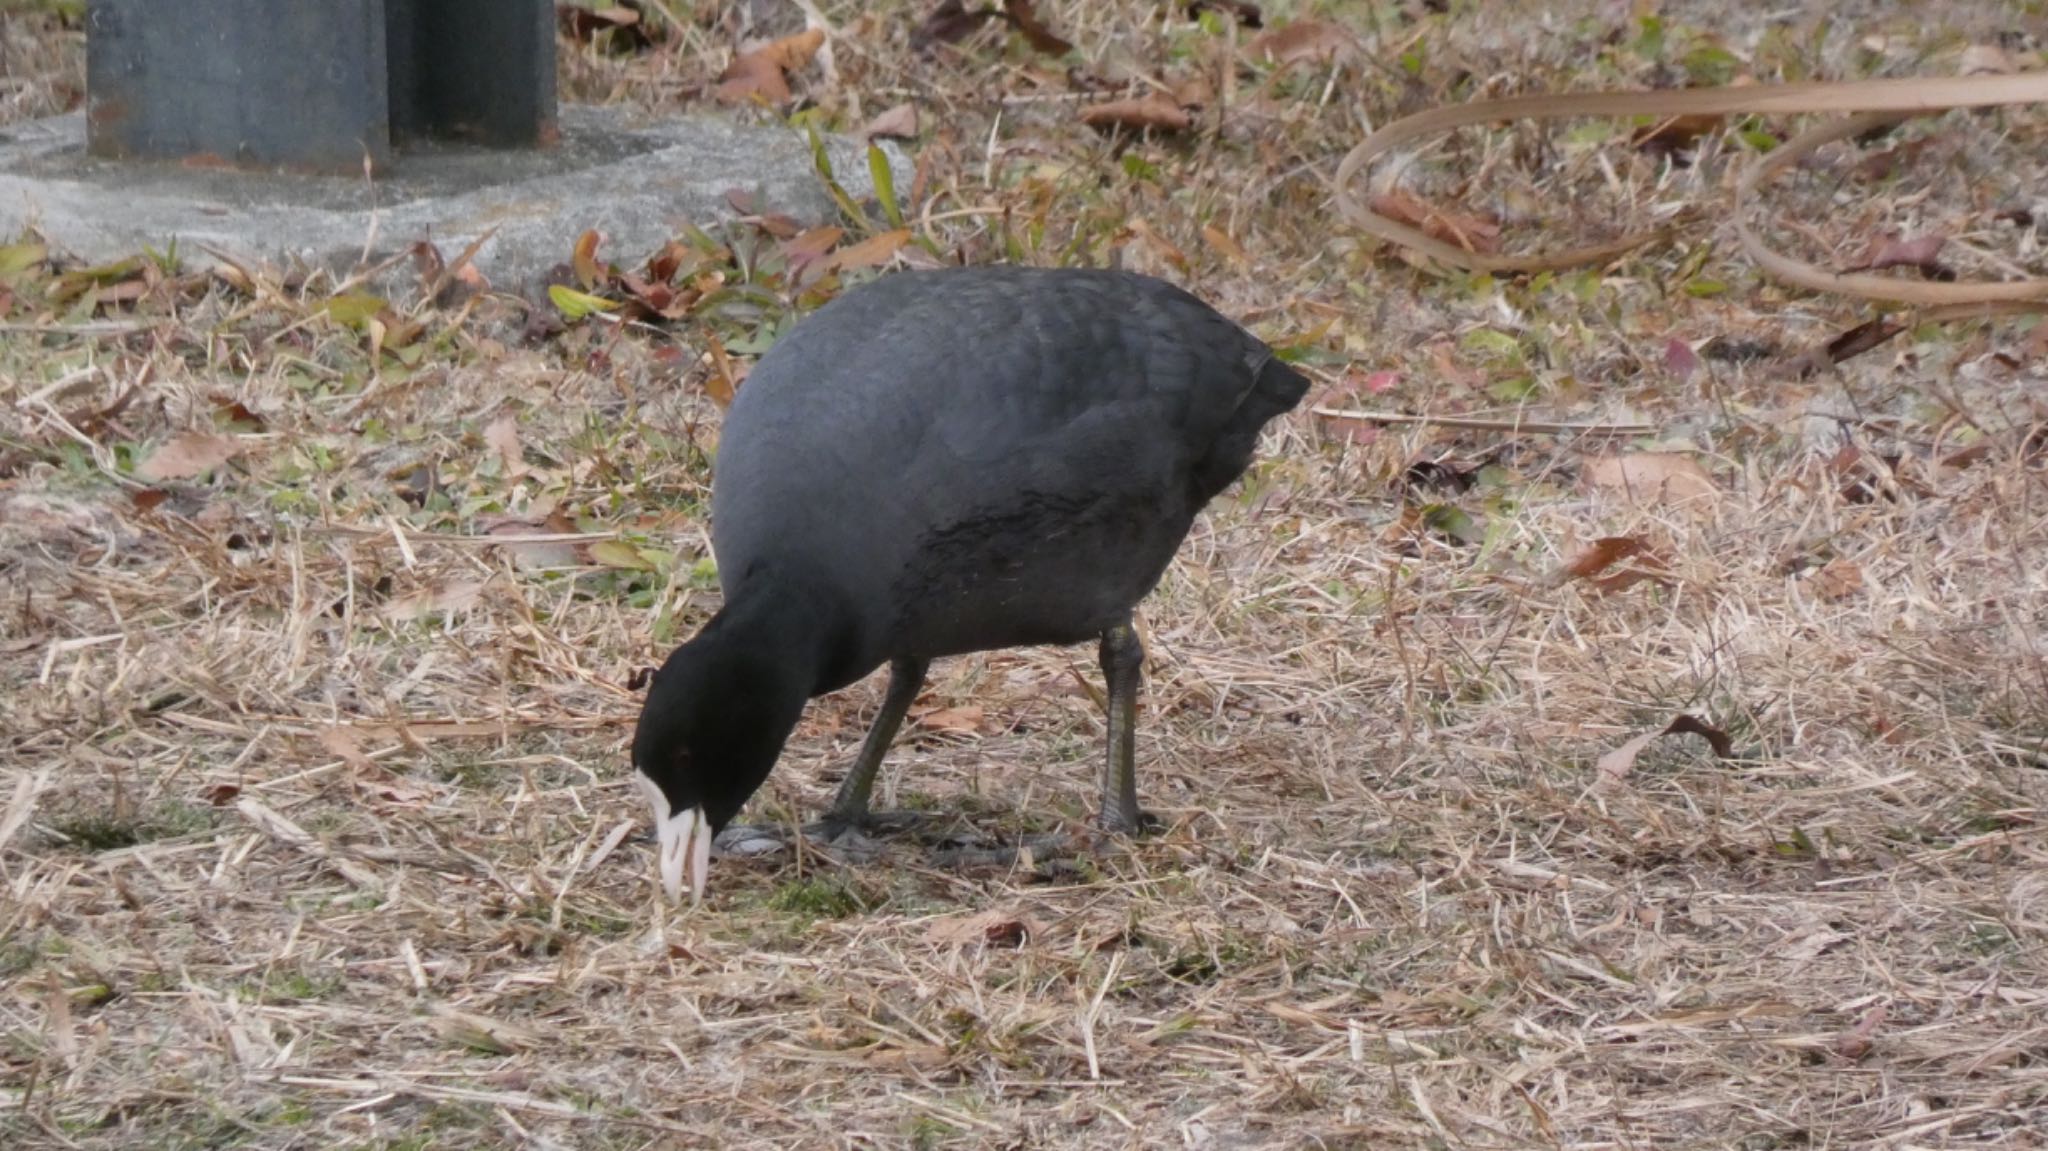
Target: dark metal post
<point>243,82</point>
<point>316,85</point>
<point>481,71</point>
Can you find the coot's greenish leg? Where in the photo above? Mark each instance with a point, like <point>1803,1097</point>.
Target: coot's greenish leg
<point>850,807</point>
<point>1123,666</point>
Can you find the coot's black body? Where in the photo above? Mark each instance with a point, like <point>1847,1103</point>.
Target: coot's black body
<point>938,463</point>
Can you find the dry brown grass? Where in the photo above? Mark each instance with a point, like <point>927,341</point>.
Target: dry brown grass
<point>300,862</point>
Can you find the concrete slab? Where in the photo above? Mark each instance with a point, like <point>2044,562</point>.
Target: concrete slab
<point>634,179</point>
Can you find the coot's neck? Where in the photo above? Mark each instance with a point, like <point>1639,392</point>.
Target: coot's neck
<point>783,623</point>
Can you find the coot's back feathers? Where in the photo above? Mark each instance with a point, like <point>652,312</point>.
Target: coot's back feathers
<point>987,457</point>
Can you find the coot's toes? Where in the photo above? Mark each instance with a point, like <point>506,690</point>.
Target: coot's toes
<point>1043,851</point>
<point>1141,823</point>
<point>741,839</point>
<point>870,824</point>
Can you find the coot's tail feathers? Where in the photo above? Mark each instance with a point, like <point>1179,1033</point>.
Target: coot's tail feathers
<point>1276,388</point>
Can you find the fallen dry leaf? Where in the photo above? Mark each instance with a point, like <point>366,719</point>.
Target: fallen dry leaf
<point>1838,579</point>
<point>1808,945</point>
<point>502,436</point>
<point>1023,14</point>
<point>1225,247</point>
<point>721,382</point>
<point>227,411</point>
<point>1304,41</point>
<point>1162,247</point>
<point>1680,360</point>
<point>1986,58</point>
<point>950,23</point>
<point>444,597</point>
<point>188,454</point>
<point>1459,229</point>
<point>763,74</point>
<point>341,742</point>
<point>1861,338</point>
<point>1674,134</point>
<point>872,252</point>
<point>963,720</point>
<point>1144,112</point>
<point>809,248</point>
<point>1615,765</point>
<point>540,553</point>
<point>1244,11</point>
<point>1893,252</point>
<point>994,927</point>
<point>583,260</point>
<point>1654,477</point>
<point>1856,1042</point>
<point>1598,556</point>
<point>485,1033</point>
<point>586,24</point>
<point>898,123</point>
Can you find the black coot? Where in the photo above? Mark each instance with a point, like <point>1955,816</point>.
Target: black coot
<point>937,463</point>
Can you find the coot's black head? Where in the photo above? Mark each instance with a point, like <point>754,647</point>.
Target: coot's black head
<point>715,720</point>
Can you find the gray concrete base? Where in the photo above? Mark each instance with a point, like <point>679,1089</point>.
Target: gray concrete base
<point>635,180</point>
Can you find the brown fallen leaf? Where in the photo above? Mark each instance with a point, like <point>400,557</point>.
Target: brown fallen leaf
<point>1162,247</point>
<point>1882,165</point>
<point>628,32</point>
<point>1194,92</point>
<point>1345,393</point>
<point>1857,1041</point>
<point>962,720</point>
<point>449,597</point>
<point>808,248</point>
<point>583,260</point>
<point>1304,41</point>
<point>484,1032</point>
<point>228,411</point>
<point>722,381</point>
<point>188,454</point>
<point>950,23</point>
<point>1860,339</point>
<point>763,74</point>
<point>993,927</point>
<point>1980,59</point>
<point>1839,578</point>
<point>1916,252</point>
<point>1680,360</point>
<point>342,743</point>
<point>1023,15</point>
<point>540,553</point>
<point>1674,134</point>
<point>1854,342</point>
<point>502,436</point>
<point>898,123</point>
<point>1144,112</point>
<point>872,252</point>
<point>662,266</point>
<point>1243,11</point>
<point>1598,556</point>
<point>1460,229</point>
<point>1669,478</point>
<point>649,299</point>
<point>1615,765</point>
<point>346,745</point>
<point>1225,247</point>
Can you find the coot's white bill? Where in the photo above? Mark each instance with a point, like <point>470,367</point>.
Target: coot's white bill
<point>682,835</point>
